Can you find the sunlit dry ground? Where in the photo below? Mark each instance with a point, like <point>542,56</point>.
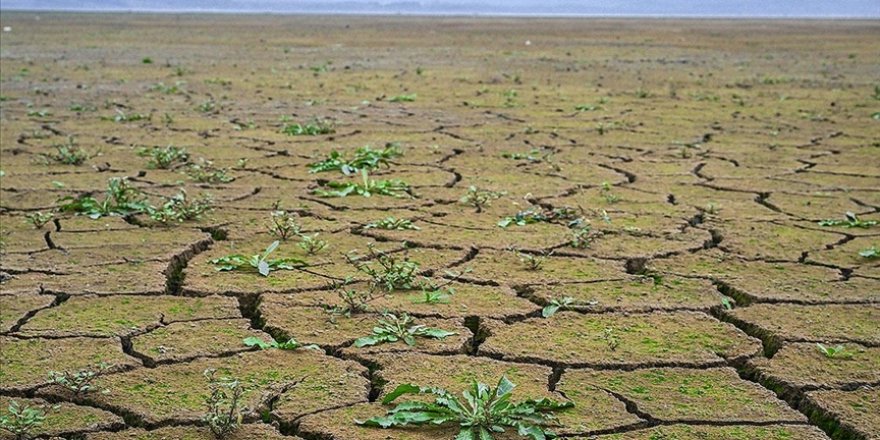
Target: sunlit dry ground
<point>684,168</point>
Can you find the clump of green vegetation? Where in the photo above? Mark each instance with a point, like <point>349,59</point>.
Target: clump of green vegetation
<point>353,301</point>
<point>607,194</point>
<point>39,113</point>
<point>510,98</point>
<point>39,219</point>
<point>534,155</point>
<point>393,224</point>
<point>284,224</point>
<point>68,154</point>
<point>313,128</point>
<point>403,98</point>
<point>536,215</point>
<point>180,208</point>
<point>121,116</point>
<point>386,270</point>
<point>260,262</point>
<point>850,220</point>
<point>482,412</point>
<point>311,244</point>
<point>81,381</point>
<point>204,171</point>
<point>364,158</point>
<point>564,303</point>
<point>290,344</point>
<point>610,337</point>
<point>168,90</point>
<point>224,413</point>
<point>147,60</point>
<point>582,234</point>
<point>392,329</point>
<point>836,352</point>
<point>588,107</point>
<point>531,262</point>
<point>164,158</point>
<point>870,253</point>
<point>480,198</point>
<point>366,188</point>
<point>122,199</point>
<point>207,106</point>
<point>22,421</point>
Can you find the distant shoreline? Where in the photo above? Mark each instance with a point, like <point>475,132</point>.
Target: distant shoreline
<point>450,14</point>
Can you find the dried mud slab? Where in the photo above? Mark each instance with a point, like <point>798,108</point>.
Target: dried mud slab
<point>622,341</point>
<point>845,414</point>
<point>175,393</point>
<point>16,307</point>
<point>631,245</point>
<point>64,419</point>
<point>801,366</point>
<point>638,295</point>
<point>505,267</point>
<point>677,395</point>
<point>25,363</point>
<point>758,281</point>
<point>313,325</point>
<point>534,237</point>
<point>134,278</point>
<point>775,323</point>
<point>772,241</point>
<point>182,341</point>
<point>701,432</point>
<point>124,315</point>
<point>244,432</point>
<point>496,302</point>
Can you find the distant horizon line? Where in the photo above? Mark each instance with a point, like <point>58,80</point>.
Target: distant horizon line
<point>439,14</point>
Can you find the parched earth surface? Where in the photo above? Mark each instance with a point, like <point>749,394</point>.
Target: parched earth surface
<point>692,166</point>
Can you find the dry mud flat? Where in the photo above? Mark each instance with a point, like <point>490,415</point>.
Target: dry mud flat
<point>705,156</point>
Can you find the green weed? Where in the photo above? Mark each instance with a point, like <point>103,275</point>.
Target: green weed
<point>224,414</point>
<point>850,220</point>
<point>366,188</point>
<point>260,262</point>
<point>164,158</point>
<point>80,381</point>
<point>393,224</point>
<point>392,329</point>
<point>39,219</point>
<point>364,158</point>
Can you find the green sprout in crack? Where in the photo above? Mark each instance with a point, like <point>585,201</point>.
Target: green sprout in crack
<point>164,158</point>
<point>836,352</point>
<point>403,98</point>
<point>311,244</point>
<point>534,155</point>
<point>22,421</point>
<point>392,329</point>
<point>122,199</point>
<point>80,381</point>
<point>850,220</point>
<point>260,262</point>
<point>68,154</point>
<point>532,262</point>
<point>364,158</point>
<point>181,208</point>
<point>386,271</point>
<point>353,301</point>
<point>204,171</point>
<point>479,198</point>
<point>564,303</point>
<point>609,197</point>
<point>39,219</point>
<point>224,412</point>
<point>121,116</point>
<point>313,128</point>
<point>290,344</point>
<point>536,215</point>
<point>582,234</point>
<point>366,188</point>
<point>392,224</point>
<point>433,293</point>
<point>484,411</point>
<point>284,225</point>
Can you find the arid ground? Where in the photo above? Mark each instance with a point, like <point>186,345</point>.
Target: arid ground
<point>694,205</point>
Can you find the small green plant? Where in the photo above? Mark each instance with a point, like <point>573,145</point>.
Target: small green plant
<point>207,106</point>
<point>534,155</point>
<point>164,158</point>
<point>314,128</point>
<point>311,243</point>
<point>392,223</point>
<point>180,208</point>
<point>582,234</point>
<point>836,352</point>
<point>564,303</point>
<point>22,421</point>
<point>147,60</point>
<point>224,414</point>
<point>510,98</point>
<point>121,116</point>
<point>608,195</point>
<point>479,198</point>
<point>80,381</point>
<point>366,188</point>
<point>610,337</point>
<point>39,219</point>
<point>870,253</point>
<point>530,261</point>
<point>284,224</point>
<point>353,301</point>
<point>535,215</point>
<point>403,98</point>
<point>68,154</point>
<point>204,171</point>
<point>482,412</point>
<point>121,199</point>
<point>260,262</point>
<point>386,270</point>
<point>850,220</point>
<point>290,344</point>
<point>364,158</point>
<point>587,107</point>
<point>168,89</point>
<point>392,329</point>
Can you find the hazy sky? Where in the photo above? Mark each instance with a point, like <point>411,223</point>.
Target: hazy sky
<point>724,8</point>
